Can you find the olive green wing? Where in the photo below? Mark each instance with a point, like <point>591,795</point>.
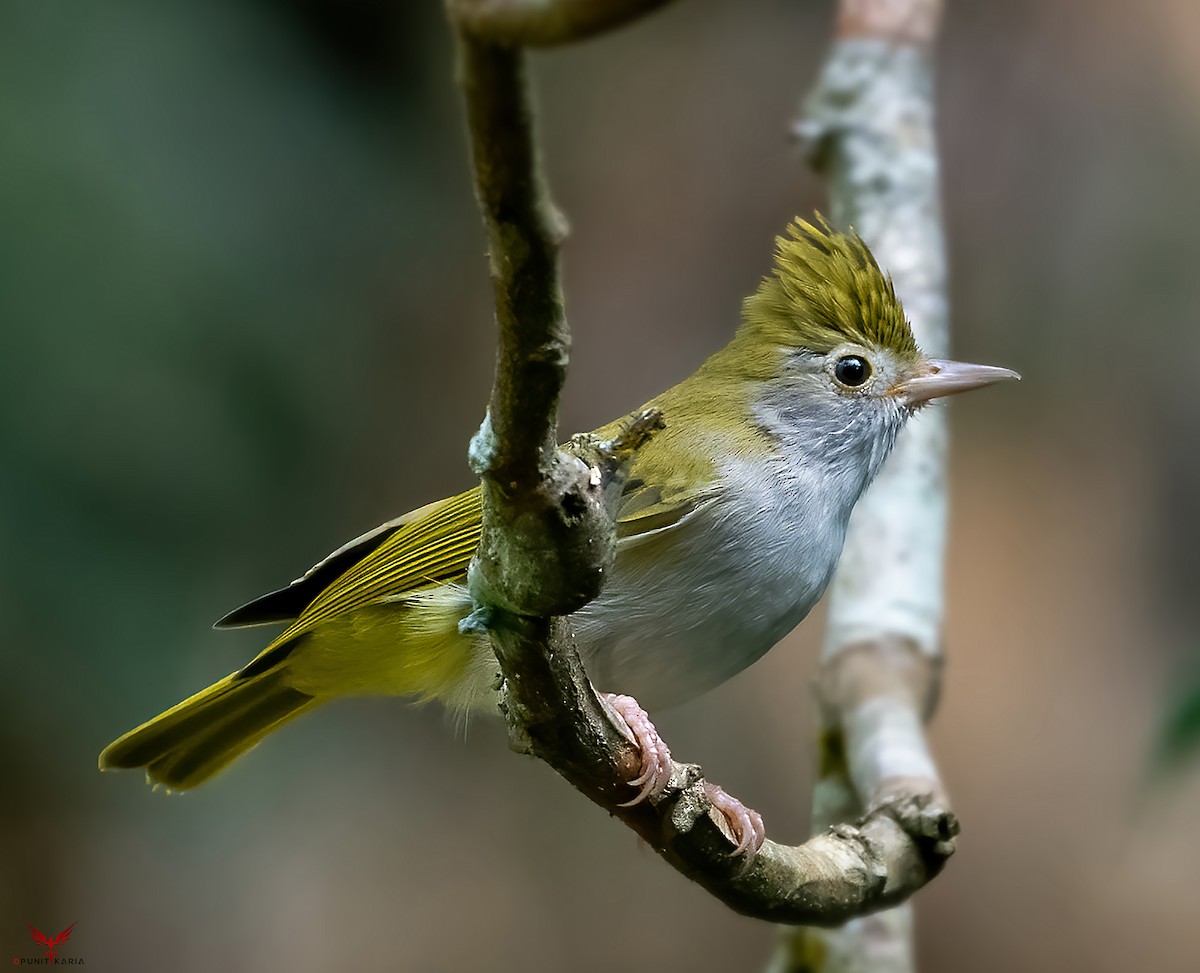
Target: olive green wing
<point>647,507</point>
<point>438,547</point>
<point>285,604</point>
<point>432,548</point>
<point>662,488</point>
<point>435,544</point>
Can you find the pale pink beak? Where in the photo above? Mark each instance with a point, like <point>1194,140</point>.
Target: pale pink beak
<point>949,378</point>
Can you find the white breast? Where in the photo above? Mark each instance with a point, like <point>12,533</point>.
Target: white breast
<point>692,605</point>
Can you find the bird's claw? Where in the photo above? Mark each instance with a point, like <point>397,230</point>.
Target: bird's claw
<point>633,722</point>
<point>745,825</point>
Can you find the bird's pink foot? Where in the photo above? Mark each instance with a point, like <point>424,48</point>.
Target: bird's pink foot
<point>632,720</point>
<point>745,825</point>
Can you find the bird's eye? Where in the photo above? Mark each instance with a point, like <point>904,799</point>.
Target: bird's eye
<point>852,371</point>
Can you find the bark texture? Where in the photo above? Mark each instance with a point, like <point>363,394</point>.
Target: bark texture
<point>869,122</point>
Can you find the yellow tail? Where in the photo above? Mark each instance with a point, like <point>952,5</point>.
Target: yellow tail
<point>193,740</point>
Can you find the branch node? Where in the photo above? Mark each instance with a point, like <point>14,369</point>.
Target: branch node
<point>922,816</point>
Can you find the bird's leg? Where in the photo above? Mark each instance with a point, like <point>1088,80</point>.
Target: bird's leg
<point>744,826</point>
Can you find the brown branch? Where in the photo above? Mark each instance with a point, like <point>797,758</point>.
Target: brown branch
<point>540,508</point>
<point>548,540</point>
<point>545,23</point>
<point>848,871</point>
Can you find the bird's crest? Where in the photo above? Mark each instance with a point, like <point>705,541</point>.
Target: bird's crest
<point>826,289</point>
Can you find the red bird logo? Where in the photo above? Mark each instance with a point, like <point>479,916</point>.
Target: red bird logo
<point>42,940</point>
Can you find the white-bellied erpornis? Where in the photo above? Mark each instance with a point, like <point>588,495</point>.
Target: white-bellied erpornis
<point>729,528</point>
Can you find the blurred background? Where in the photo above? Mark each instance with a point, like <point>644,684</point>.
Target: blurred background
<point>245,316</point>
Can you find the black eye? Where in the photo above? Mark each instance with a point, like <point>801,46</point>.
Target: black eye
<point>852,371</point>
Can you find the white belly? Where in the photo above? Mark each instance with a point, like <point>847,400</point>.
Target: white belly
<point>692,605</point>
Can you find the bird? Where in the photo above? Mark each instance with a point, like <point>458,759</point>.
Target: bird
<point>729,527</point>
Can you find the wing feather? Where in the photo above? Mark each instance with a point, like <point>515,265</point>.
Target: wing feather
<point>429,550</point>
<point>435,544</point>
<point>285,604</point>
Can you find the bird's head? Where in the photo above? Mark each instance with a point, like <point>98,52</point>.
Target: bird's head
<point>833,350</point>
<point>835,313</point>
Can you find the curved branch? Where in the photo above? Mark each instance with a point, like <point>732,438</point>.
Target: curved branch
<point>548,540</point>
<point>547,536</point>
<point>848,871</point>
<point>545,23</point>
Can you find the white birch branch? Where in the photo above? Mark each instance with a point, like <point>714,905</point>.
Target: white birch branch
<point>870,123</point>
